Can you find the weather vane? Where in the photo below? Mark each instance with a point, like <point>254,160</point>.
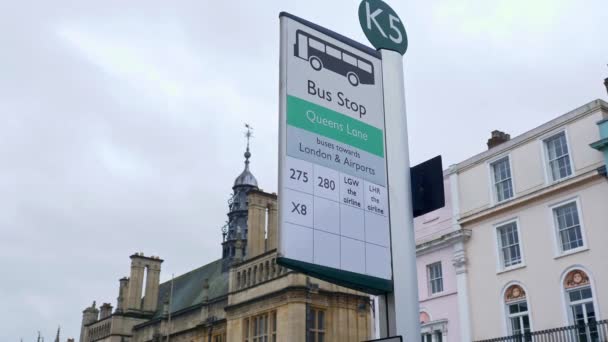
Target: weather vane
<point>248,134</point>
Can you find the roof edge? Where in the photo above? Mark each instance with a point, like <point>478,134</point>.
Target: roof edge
<point>597,104</point>
<point>191,271</point>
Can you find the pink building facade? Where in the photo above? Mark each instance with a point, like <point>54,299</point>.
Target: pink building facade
<point>441,267</point>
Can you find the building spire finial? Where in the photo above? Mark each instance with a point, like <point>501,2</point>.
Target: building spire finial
<point>248,135</point>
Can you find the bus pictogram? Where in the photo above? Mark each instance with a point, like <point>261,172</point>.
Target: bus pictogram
<point>322,54</point>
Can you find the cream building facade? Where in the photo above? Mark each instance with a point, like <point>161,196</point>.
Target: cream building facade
<point>242,297</point>
<point>537,207</point>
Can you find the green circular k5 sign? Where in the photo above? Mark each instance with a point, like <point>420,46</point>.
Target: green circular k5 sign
<point>382,26</point>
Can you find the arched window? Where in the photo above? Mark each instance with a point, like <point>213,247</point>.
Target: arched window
<point>432,331</point>
<point>581,310</point>
<point>518,317</point>
<point>424,318</point>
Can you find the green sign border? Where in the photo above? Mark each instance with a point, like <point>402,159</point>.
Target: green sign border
<point>356,281</point>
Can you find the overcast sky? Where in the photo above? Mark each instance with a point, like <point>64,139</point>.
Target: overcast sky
<point>121,122</point>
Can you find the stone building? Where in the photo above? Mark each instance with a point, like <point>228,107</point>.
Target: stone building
<point>244,296</point>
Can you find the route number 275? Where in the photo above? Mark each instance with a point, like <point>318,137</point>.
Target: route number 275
<point>298,175</point>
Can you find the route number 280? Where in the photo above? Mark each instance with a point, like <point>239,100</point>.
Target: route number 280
<point>326,183</point>
<point>298,175</point>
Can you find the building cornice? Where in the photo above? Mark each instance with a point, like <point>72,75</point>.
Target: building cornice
<point>531,197</point>
<point>445,240</point>
<point>255,258</point>
<point>180,312</point>
<point>532,134</point>
<point>301,289</point>
<point>263,193</point>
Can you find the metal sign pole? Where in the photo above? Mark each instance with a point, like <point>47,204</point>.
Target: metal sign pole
<point>403,307</point>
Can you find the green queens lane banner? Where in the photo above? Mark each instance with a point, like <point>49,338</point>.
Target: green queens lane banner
<point>333,196</point>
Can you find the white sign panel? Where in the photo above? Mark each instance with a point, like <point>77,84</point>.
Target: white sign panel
<point>332,177</point>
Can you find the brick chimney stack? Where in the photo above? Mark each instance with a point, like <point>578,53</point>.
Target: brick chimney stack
<point>498,137</point>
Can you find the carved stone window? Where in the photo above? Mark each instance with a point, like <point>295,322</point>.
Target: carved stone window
<point>515,293</point>
<point>424,317</point>
<point>518,318</point>
<point>581,306</point>
<point>576,278</point>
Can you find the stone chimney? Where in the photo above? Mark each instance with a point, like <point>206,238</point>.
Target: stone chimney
<point>139,265</point>
<point>152,284</point>
<point>238,248</point>
<point>606,84</point>
<point>273,225</point>
<point>262,223</point>
<point>105,311</point>
<point>89,315</point>
<point>498,137</point>
<point>123,290</point>
<point>70,340</point>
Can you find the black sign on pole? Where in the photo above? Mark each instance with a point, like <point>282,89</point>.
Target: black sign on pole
<point>427,186</point>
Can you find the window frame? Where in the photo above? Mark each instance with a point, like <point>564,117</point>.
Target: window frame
<point>545,156</point>
<point>428,336</point>
<point>582,302</point>
<point>251,323</point>
<point>493,192</point>
<point>500,265</point>
<point>518,316</point>
<point>220,337</point>
<point>506,322</point>
<point>557,242</point>
<point>566,307</point>
<point>430,279</point>
<point>431,328</point>
<point>313,331</point>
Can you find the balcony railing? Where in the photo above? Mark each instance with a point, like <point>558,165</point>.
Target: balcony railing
<point>592,332</point>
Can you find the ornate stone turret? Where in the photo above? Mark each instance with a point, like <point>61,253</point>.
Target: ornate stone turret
<point>89,315</point>
<point>238,209</point>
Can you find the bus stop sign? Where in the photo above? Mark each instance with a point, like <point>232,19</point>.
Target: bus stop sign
<point>382,26</point>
